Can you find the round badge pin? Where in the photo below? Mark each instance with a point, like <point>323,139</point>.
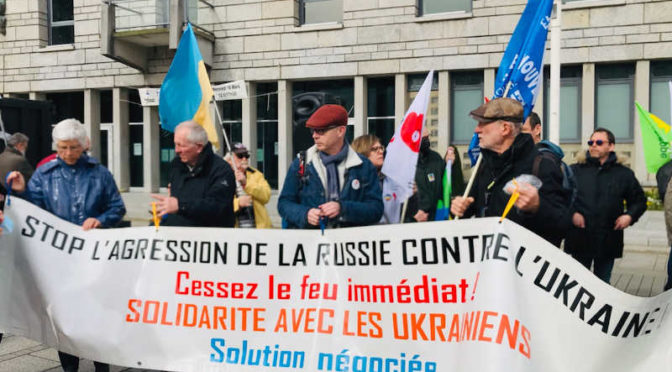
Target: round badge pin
<point>355,184</point>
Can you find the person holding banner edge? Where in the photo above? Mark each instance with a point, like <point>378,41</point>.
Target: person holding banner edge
<point>330,185</point>
<point>508,153</point>
<point>77,188</point>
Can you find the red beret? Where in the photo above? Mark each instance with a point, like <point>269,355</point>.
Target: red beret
<point>328,116</point>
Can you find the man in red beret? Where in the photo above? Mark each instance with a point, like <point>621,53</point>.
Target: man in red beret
<point>330,184</point>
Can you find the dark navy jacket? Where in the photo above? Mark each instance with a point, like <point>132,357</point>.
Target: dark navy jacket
<point>77,192</point>
<point>360,198</point>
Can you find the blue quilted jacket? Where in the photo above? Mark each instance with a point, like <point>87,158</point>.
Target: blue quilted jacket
<point>75,193</point>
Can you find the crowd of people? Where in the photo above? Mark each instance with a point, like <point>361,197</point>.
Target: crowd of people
<point>335,184</point>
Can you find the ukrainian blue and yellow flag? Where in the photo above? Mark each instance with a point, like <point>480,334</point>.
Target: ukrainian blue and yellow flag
<point>186,91</point>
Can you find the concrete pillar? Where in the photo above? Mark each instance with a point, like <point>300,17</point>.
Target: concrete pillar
<point>361,106</point>
<point>489,76</point>
<point>400,98</point>
<point>92,119</point>
<point>285,155</point>
<point>642,95</point>
<point>37,96</point>
<point>444,112</point>
<point>151,149</point>
<point>120,134</point>
<point>250,122</point>
<point>587,101</point>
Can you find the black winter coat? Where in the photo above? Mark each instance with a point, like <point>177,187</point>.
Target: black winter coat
<point>205,193</point>
<point>429,181</point>
<point>496,170</point>
<point>602,189</point>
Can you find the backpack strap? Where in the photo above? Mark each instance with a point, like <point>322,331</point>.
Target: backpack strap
<point>537,161</point>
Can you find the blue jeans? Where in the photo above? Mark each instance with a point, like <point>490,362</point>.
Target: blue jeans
<point>602,267</point>
<point>668,285</point>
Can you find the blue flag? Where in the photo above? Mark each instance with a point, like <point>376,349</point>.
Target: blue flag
<point>521,65</point>
<point>474,149</point>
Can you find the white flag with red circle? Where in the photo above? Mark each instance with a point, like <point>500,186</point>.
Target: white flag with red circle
<point>402,154</point>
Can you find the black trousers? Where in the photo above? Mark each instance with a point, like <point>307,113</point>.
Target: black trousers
<point>70,363</point>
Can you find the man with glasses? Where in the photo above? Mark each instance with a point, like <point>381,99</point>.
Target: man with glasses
<point>507,154</point>
<point>256,190</point>
<point>609,199</point>
<point>330,185</point>
<point>201,185</point>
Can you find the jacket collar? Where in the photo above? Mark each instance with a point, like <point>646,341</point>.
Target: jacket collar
<point>552,147</point>
<point>13,150</point>
<point>201,161</point>
<point>611,160</point>
<point>522,144</point>
<point>352,160</point>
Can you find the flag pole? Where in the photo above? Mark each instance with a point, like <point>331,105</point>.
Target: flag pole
<point>556,30</point>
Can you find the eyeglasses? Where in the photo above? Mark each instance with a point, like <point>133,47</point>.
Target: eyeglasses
<point>377,148</point>
<point>243,156</point>
<point>322,131</point>
<point>596,142</point>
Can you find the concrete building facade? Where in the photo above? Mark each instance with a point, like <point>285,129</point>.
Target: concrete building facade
<point>369,55</point>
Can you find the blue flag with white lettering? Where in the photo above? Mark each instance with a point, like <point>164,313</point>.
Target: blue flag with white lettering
<point>521,65</point>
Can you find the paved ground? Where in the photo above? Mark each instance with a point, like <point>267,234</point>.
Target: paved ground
<point>641,272</point>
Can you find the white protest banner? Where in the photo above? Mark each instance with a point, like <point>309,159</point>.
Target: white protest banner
<point>233,90</point>
<point>468,295</point>
<point>149,96</point>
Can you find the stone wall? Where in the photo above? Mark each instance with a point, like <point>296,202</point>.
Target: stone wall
<point>259,41</point>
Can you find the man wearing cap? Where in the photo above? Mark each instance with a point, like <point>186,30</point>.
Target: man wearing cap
<point>202,184</point>
<point>257,191</point>
<point>330,184</point>
<point>507,154</point>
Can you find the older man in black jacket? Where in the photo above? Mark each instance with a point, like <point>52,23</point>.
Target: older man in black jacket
<point>508,153</point>
<point>599,220</point>
<point>202,184</point>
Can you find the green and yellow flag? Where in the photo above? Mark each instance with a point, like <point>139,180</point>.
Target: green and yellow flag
<point>656,138</point>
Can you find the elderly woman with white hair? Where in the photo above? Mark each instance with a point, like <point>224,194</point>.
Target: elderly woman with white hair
<point>77,188</point>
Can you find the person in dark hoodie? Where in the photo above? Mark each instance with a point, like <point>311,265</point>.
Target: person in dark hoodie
<point>599,216</point>
<point>428,182</point>
<point>202,184</point>
<point>508,153</point>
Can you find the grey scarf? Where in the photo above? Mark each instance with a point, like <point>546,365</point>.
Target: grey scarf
<point>331,163</point>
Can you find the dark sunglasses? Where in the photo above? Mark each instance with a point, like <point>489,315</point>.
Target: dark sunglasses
<point>597,142</point>
<point>243,156</point>
<point>322,131</point>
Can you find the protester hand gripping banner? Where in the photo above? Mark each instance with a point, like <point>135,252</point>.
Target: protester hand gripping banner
<point>464,296</point>
<point>401,158</point>
<point>520,70</point>
<point>186,92</point>
<point>656,139</point>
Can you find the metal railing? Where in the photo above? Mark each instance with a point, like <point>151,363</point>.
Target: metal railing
<point>149,14</point>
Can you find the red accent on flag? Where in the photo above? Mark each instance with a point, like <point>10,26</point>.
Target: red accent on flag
<point>411,131</point>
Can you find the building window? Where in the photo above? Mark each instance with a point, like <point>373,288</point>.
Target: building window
<point>614,108</point>
<point>661,75</point>
<point>570,103</point>
<point>443,6</point>
<point>414,82</point>
<point>320,11</point>
<point>267,131</point>
<point>232,120</point>
<point>466,93</point>
<point>309,96</point>
<point>380,108</point>
<point>61,22</point>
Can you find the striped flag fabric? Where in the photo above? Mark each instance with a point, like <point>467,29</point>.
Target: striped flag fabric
<point>186,91</point>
